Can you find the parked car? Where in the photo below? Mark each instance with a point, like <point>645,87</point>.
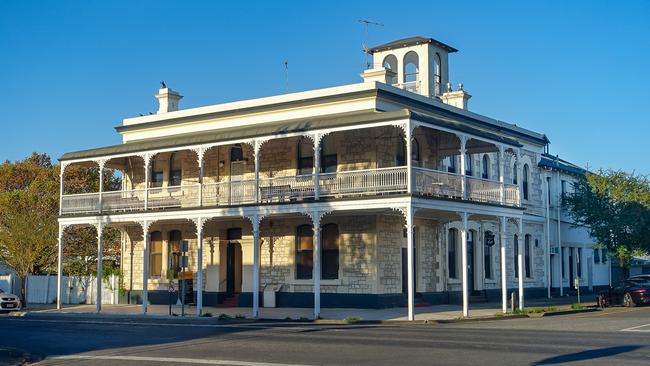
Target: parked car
<point>631,292</point>
<point>9,302</point>
<point>641,277</point>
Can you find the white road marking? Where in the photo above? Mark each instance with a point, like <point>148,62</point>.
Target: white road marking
<point>636,329</point>
<point>171,360</point>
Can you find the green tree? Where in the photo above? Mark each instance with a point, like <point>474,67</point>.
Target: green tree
<point>615,207</point>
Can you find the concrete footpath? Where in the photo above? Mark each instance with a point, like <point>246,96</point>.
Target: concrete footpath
<point>430,313</point>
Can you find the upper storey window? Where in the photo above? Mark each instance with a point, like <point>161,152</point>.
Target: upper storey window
<point>411,67</point>
<point>175,170</point>
<point>468,164</point>
<point>485,167</point>
<point>437,74</point>
<point>514,173</point>
<point>451,164</point>
<point>305,157</point>
<point>525,187</point>
<point>390,63</point>
<point>328,155</point>
<point>236,153</point>
<point>157,173</point>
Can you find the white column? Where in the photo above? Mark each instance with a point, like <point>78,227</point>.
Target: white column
<point>547,261</point>
<point>256,266</point>
<point>147,161</point>
<point>559,233</point>
<point>98,293</point>
<point>463,235</point>
<point>463,152</point>
<point>316,138</point>
<point>61,176</point>
<point>101,184</point>
<point>256,152</point>
<point>145,267</point>
<point>409,163</point>
<point>316,271</point>
<point>504,273</point>
<point>520,261</point>
<point>410,248</point>
<point>59,269</point>
<point>201,171</point>
<point>520,178</point>
<point>199,273</point>
<point>502,189</point>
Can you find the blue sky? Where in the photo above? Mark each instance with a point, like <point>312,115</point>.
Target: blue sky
<point>72,70</point>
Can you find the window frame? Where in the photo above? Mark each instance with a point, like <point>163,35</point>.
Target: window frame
<point>452,262</point>
<point>488,270</point>
<point>516,254</point>
<point>175,177</point>
<point>528,255</point>
<point>301,254</point>
<point>330,254</point>
<point>155,256</point>
<point>525,181</point>
<point>485,167</point>
<point>305,162</point>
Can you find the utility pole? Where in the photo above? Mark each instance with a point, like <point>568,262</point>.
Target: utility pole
<point>366,23</point>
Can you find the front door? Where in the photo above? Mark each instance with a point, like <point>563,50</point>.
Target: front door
<point>470,261</point>
<point>571,269</point>
<point>230,270</point>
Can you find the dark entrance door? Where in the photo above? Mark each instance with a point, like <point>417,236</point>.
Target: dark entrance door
<point>470,261</point>
<point>230,270</point>
<point>571,268</point>
<point>405,269</point>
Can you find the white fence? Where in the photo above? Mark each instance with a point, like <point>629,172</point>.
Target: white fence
<point>76,290</point>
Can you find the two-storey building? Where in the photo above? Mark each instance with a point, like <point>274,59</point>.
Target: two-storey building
<point>383,193</point>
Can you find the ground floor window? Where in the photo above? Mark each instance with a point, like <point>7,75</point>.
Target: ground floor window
<point>175,254</point>
<point>330,245</point>
<point>452,255</point>
<point>155,255</point>
<point>487,253</point>
<point>304,252</point>
<point>527,256</point>
<point>516,255</point>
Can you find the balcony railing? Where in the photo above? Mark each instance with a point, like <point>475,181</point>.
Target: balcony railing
<point>412,86</point>
<point>370,182</point>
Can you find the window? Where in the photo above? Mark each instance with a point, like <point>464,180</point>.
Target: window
<point>452,255</point>
<point>330,246</point>
<point>175,254</point>
<point>305,157</point>
<point>304,252</point>
<point>437,75</point>
<point>596,255</point>
<point>527,257</point>
<point>411,67</point>
<point>485,167</point>
<point>525,181</point>
<point>579,262</point>
<point>236,153</point>
<point>155,255</point>
<point>415,152</point>
<point>563,183</point>
<point>562,263</point>
<point>603,256</point>
<point>451,164</point>
<point>157,173</point>
<point>328,155</point>
<point>514,173</point>
<point>400,152</point>
<point>548,195</point>
<point>468,164</point>
<point>175,170</point>
<point>487,253</point>
<point>516,252</point>
<point>390,63</point>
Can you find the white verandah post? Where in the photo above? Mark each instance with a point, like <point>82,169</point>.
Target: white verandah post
<point>520,261</point>
<point>257,146</point>
<point>147,162</point>
<point>98,293</point>
<point>463,235</point>
<point>256,265</point>
<point>316,271</point>
<point>409,164</point>
<point>101,184</point>
<point>502,188</point>
<point>59,268</point>
<point>463,152</point>
<point>410,248</point>
<point>317,147</point>
<point>504,274</point>
<point>199,275</point>
<point>145,267</point>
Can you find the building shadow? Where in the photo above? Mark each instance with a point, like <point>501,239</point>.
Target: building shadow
<point>587,355</point>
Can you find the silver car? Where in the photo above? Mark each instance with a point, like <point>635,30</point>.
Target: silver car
<point>9,302</point>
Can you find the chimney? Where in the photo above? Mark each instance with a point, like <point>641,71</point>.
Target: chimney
<point>458,98</point>
<point>168,99</point>
<point>380,74</point>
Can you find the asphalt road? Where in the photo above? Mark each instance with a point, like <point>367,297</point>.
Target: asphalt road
<point>616,337</point>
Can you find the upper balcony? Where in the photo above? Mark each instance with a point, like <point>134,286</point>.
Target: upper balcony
<point>361,160</point>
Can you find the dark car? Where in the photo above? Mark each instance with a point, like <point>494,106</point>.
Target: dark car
<point>630,292</point>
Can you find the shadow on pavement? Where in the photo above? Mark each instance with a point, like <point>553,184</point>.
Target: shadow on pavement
<point>587,355</point>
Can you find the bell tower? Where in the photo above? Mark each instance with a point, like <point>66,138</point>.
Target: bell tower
<point>417,64</point>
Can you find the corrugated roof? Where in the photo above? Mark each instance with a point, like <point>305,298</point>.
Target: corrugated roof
<point>554,162</point>
<point>410,41</point>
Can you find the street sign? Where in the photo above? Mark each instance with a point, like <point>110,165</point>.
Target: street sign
<point>172,288</point>
<point>576,283</point>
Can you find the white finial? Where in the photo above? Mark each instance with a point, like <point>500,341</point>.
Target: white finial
<point>448,87</point>
<point>460,86</point>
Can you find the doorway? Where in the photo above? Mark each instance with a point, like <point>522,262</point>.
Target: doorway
<point>237,168</point>
<point>571,275</point>
<point>233,262</point>
<point>470,261</point>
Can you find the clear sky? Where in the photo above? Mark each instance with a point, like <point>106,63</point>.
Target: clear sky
<point>577,71</point>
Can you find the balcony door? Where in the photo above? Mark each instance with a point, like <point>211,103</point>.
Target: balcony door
<point>237,166</point>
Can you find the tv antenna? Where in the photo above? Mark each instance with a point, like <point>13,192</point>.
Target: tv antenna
<point>286,76</point>
<point>366,23</point>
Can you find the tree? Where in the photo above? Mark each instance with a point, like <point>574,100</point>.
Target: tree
<point>615,207</point>
<point>28,212</point>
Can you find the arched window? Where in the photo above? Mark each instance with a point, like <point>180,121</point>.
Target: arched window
<point>411,67</point>
<point>485,167</point>
<point>468,164</point>
<point>304,252</point>
<point>175,254</point>
<point>488,243</point>
<point>527,258</point>
<point>330,248</point>
<point>516,255</point>
<point>236,153</point>
<point>400,152</point>
<point>451,164</point>
<point>437,75</point>
<point>175,170</point>
<point>415,152</point>
<point>525,181</point>
<point>328,155</point>
<point>155,255</point>
<point>157,172</point>
<point>305,157</point>
<point>452,253</point>
<point>514,173</point>
<point>390,63</point>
